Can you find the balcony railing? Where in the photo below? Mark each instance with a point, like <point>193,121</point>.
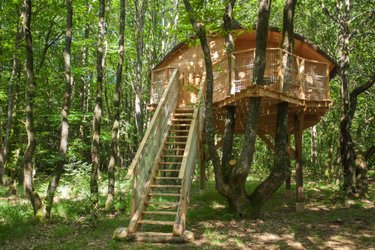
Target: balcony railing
<point>308,79</point>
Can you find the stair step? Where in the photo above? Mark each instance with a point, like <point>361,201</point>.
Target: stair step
<point>166,178</point>
<point>174,149</point>
<point>181,119</point>
<point>175,142</point>
<point>173,156</point>
<point>162,203</point>
<point>183,114</point>
<point>168,170</point>
<point>165,186</point>
<point>164,194</point>
<point>159,212</point>
<point>178,136</point>
<point>155,222</point>
<point>169,163</point>
<point>180,125</point>
<point>183,110</point>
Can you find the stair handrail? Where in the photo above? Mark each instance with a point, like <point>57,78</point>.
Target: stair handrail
<point>143,165</point>
<point>188,162</point>
<point>153,124</point>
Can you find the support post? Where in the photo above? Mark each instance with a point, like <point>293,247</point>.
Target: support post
<point>298,130</point>
<point>288,191</point>
<point>202,166</point>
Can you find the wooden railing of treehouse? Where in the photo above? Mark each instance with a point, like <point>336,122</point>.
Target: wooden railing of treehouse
<point>191,153</point>
<point>145,162</point>
<point>159,78</point>
<point>309,78</point>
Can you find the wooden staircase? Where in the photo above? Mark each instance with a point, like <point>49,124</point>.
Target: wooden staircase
<point>162,171</point>
<point>160,208</point>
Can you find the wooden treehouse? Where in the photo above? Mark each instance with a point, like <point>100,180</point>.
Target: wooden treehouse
<point>163,167</point>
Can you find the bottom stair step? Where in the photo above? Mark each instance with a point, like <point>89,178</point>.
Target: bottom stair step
<point>162,203</point>
<point>159,212</point>
<point>155,222</point>
<point>155,237</point>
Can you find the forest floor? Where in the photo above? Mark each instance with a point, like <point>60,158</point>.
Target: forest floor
<point>327,223</point>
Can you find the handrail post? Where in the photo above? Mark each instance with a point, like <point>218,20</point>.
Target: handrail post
<point>301,71</point>
<point>282,70</point>
<point>327,83</point>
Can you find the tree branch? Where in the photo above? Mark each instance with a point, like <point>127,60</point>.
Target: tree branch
<point>356,92</point>
<point>327,12</point>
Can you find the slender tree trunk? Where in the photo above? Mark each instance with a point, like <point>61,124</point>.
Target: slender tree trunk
<point>95,147</point>
<point>280,170</point>
<point>64,111</point>
<point>29,103</point>
<point>114,158</point>
<point>2,160</point>
<point>140,9</point>
<point>11,93</point>
<point>85,88</point>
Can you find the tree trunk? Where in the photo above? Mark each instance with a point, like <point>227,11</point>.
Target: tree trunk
<point>2,159</point>
<point>240,173</point>
<point>29,103</point>
<point>64,112</point>
<point>140,9</point>
<point>346,142</point>
<point>231,110</point>
<point>114,158</point>
<point>12,93</point>
<point>85,87</point>
<point>95,146</point>
<point>200,31</point>
<point>280,170</point>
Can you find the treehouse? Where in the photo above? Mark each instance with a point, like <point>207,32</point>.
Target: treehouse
<point>163,167</point>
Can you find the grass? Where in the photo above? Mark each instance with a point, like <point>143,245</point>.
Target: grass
<point>326,223</point>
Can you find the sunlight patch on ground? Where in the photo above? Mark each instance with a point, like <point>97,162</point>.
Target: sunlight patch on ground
<point>216,205</point>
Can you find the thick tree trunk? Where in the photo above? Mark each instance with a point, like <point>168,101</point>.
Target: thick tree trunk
<point>346,142</point>
<point>231,110</point>
<point>280,170</point>
<point>114,158</point>
<point>361,165</point>
<point>200,31</point>
<point>29,103</point>
<point>64,112</point>
<point>95,146</point>
<point>240,173</point>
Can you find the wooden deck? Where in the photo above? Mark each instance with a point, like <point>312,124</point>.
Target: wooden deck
<point>313,110</point>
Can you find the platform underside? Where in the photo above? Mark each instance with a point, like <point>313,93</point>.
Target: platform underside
<point>312,110</point>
